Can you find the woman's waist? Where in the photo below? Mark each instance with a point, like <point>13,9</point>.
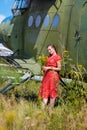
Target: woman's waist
<point>51,72</point>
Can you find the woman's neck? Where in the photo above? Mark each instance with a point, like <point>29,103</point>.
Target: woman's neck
<point>53,54</point>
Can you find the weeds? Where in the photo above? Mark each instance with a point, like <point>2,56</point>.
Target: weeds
<point>20,108</point>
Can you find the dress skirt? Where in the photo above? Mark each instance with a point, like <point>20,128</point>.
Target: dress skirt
<point>49,85</point>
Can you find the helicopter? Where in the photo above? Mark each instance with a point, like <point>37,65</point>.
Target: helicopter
<point>36,23</point>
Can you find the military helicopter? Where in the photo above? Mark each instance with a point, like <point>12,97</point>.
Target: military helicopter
<point>36,23</point>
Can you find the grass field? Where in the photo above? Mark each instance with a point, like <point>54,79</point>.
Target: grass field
<point>20,108</point>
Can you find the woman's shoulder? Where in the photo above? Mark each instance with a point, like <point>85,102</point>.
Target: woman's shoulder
<point>58,57</point>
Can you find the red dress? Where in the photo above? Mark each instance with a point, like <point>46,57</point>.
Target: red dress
<point>51,79</point>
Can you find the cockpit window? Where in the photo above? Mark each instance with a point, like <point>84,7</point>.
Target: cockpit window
<point>20,6</point>
<point>25,3</point>
<point>55,21</point>
<point>16,4</point>
<point>46,20</point>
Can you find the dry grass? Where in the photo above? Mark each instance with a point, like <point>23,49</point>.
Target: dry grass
<point>20,109</point>
<point>26,115</point>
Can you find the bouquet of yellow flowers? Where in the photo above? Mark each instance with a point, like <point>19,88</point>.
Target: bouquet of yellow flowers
<point>42,60</point>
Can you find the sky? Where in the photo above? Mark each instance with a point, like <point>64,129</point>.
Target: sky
<point>5,8</point>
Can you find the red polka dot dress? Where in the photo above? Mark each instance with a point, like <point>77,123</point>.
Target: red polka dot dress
<point>51,79</point>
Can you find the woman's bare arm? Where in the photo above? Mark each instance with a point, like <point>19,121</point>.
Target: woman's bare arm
<point>58,68</point>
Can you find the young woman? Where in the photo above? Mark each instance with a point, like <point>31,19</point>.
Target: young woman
<point>51,79</point>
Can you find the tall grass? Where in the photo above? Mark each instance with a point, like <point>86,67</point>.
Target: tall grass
<point>20,110</point>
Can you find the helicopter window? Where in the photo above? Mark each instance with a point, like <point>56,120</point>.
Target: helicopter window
<point>46,20</point>
<point>16,8</point>
<point>38,21</point>
<point>16,4</point>
<point>25,3</point>
<point>30,21</point>
<point>56,21</point>
<point>19,6</point>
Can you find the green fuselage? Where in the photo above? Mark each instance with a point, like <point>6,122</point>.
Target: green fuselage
<point>32,31</point>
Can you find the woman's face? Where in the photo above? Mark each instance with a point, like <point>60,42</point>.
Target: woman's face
<point>51,50</point>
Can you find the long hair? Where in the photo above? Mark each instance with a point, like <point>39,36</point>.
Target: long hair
<point>53,46</point>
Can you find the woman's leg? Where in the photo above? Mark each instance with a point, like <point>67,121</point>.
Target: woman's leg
<point>44,103</point>
<point>52,101</point>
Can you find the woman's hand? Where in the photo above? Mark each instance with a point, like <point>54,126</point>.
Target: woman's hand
<point>45,68</point>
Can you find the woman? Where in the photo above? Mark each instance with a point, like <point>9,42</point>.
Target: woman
<point>51,79</point>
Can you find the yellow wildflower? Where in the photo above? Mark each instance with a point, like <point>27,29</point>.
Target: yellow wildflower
<point>80,66</point>
<point>65,51</point>
<point>10,116</point>
<point>42,59</point>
